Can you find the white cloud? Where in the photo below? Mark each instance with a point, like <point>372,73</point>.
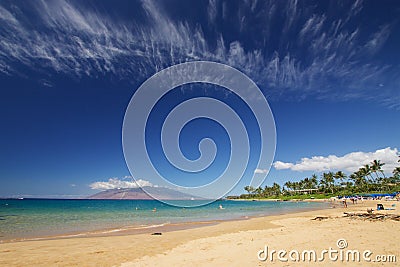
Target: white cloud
<point>260,171</point>
<point>279,165</point>
<point>349,162</point>
<point>114,183</point>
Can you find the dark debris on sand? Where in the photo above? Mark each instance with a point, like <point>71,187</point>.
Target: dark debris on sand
<point>156,234</point>
<point>320,218</point>
<point>373,216</point>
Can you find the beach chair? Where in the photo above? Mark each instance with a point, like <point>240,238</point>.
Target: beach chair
<point>379,207</point>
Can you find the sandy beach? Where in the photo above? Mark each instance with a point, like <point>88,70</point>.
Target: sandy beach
<point>229,243</point>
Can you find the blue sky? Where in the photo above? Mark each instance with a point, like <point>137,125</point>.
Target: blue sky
<point>330,71</point>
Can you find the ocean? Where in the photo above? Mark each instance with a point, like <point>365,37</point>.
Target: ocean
<point>38,218</point>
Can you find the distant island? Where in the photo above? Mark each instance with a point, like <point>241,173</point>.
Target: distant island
<point>161,193</point>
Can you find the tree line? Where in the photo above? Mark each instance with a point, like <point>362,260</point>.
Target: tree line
<point>368,178</point>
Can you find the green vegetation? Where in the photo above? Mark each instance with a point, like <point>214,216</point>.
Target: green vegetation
<point>367,179</point>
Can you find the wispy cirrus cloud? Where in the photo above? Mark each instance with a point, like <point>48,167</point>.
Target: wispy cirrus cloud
<point>212,11</point>
<point>378,39</point>
<point>308,52</point>
<point>349,162</point>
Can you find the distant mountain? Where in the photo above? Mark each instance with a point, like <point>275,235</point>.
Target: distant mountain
<point>138,193</point>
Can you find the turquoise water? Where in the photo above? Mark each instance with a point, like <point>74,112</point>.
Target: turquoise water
<point>29,218</point>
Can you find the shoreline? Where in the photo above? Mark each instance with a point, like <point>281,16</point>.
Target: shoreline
<point>228,242</point>
<point>279,200</point>
<point>163,227</point>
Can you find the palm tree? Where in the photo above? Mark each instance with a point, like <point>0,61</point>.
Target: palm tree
<point>379,166</point>
<point>249,189</point>
<point>266,191</point>
<point>296,185</point>
<point>288,185</point>
<point>314,181</point>
<point>328,181</point>
<point>374,168</point>
<point>323,185</point>
<point>359,179</point>
<point>258,191</point>
<point>276,189</point>
<point>396,172</point>
<point>366,171</point>
<point>340,176</point>
<point>303,183</point>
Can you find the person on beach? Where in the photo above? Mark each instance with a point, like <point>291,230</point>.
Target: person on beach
<point>344,202</point>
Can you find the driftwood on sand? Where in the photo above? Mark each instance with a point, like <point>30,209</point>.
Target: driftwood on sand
<point>372,216</point>
<point>320,218</point>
